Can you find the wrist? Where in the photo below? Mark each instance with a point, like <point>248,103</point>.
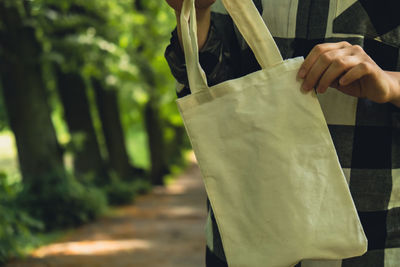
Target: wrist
<point>203,18</point>
<point>394,87</point>
<point>200,13</point>
<point>203,25</point>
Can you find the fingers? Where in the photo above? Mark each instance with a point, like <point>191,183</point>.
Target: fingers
<point>371,81</point>
<point>327,63</point>
<point>175,4</point>
<point>334,72</point>
<point>356,73</point>
<point>347,68</point>
<point>315,53</point>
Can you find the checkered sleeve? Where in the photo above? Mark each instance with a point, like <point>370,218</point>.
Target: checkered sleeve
<point>215,56</point>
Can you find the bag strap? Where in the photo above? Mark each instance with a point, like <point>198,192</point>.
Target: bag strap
<point>251,25</point>
<point>249,22</point>
<point>196,75</point>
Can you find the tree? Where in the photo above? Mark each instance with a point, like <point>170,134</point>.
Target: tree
<point>88,161</point>
<point>107,103</point>
<point>25,98</point>
<point>153,122</point>
<point>49,194</point>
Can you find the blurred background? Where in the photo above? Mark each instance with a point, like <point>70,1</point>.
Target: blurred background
<point>88,122</point>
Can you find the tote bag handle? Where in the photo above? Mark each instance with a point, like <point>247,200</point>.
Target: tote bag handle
<point>251,26</point>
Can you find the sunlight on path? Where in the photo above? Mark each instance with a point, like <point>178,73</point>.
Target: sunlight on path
<point>92,247</point>
<point>164,228</point>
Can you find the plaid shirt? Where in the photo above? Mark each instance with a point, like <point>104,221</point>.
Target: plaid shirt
<point>366,135</point>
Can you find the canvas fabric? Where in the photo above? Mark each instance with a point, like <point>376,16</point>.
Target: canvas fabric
<point>266,155</point>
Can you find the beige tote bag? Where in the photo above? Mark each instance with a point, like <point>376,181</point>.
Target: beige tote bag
<point>267,159</point>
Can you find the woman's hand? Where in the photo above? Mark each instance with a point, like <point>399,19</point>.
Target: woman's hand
<point>203,8</point>
<point>349,69</point>
<point>200,4</point>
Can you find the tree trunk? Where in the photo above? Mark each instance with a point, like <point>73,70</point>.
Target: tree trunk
<point>88,162</point>
<point>156,143</point>
<point>177,145</point>
<point>107,104</point>
<point>154,127</point>
<point>24,93</point>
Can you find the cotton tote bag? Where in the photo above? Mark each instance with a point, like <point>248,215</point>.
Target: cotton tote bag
<point>268,163</point>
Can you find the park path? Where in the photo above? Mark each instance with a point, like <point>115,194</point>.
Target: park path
<point>164,228</point>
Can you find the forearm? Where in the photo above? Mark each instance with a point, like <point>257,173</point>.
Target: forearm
<point>203,25</point>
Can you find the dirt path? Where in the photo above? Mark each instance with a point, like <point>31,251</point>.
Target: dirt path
<point>164,228</point>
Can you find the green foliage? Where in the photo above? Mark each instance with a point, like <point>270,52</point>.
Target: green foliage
<point>65,202</point>
<point>15,223</point>
<point>122,43</point>
<point>123,192</point>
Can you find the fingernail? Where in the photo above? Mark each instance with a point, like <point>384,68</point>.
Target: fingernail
<point>305,87</point>
<point>302,73</point>
<point>342,81</point>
